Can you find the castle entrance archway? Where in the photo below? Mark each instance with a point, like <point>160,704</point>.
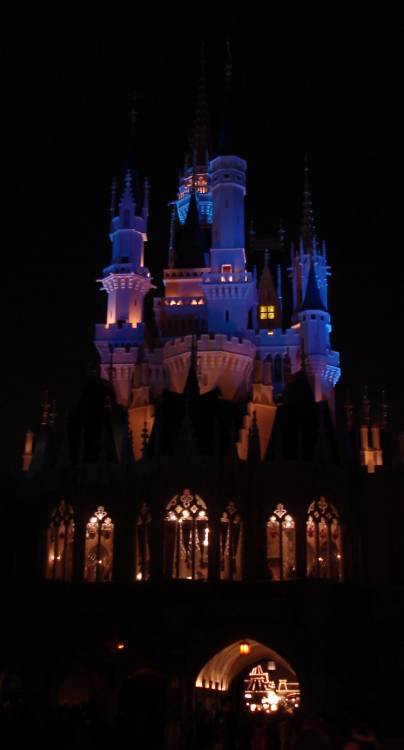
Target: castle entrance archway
<point>243,685</point>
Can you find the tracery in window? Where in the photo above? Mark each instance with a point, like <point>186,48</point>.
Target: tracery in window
<point>186,541</point>
<point>99,547</point>
<point>230,544</point>
<point>281,544</point>
<point>323,541</point>
<point>60,542</point>
<point>142,545</point>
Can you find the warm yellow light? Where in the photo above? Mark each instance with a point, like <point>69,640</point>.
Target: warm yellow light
<point>245,647</point>
<point>120,646</point>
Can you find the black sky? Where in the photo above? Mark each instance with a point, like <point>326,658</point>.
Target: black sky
<point>333,90</point>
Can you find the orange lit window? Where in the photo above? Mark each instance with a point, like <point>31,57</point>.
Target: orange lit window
<point>227,268</point>
<point>267,312</point>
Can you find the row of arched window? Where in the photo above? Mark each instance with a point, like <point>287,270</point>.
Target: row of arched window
<point>187,540</point>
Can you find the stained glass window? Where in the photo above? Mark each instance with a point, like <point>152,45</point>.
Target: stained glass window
<point>99,547</point>
<point>281,544</point>
<point>323,541</point>
<point>186,542</point>
<point>60,542</point>
<point>230,544</point>
<point>142,545</point>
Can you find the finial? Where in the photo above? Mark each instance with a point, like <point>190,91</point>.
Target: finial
<point>146,188</point>
<point>308,231</point>
<point>279,284</point>
<point>113,198</point>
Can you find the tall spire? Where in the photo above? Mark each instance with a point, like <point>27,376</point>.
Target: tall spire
<point>312,298</point>
<point>308,230</point>
<point>226,138</point>
<point>200,137</point>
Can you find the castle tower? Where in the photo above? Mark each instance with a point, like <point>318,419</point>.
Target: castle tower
<point>308,248</point>
<point>321,363</point>
<point>126,282</point>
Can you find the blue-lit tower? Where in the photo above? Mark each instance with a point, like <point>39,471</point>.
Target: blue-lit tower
<point>126,281</point>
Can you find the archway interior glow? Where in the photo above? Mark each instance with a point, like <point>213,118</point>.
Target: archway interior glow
<point>220,671</point>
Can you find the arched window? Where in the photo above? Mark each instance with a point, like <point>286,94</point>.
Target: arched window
<point>230,544</point>
<point>99,548</point>
<point>142,546</point>
<point>186,540</point>
<point>281,545</point>
<point>60,541</point>
<point>323,541</point>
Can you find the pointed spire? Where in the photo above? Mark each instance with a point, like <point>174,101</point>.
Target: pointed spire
<point>191,389</point>
<point>226,145</point>
<point>279,286</point>
<point>145,209</point>
<point>267,298</point>
<point>254,451</point>
<point>127,200</point>
<point>112,209</point>
<point>312,298</point>
<point>200,137</point>
<point>308,231</point>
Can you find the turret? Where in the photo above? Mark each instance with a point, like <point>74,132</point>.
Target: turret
<point>308,248</point>
<point>321,363</point>
<point>126,282</point>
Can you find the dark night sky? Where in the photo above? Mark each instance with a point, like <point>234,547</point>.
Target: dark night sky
<point>336,92</point>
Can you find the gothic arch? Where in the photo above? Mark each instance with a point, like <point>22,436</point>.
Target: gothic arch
<point>142,544</point>
<point>231,544</point>
<point>281,544</point>
<point>60,543</point>
<point>99,547</point>
<point>323,541</point>
<point>186,537</point>
<point>219,672</point>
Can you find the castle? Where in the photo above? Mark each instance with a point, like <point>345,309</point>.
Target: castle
<point>197,499</point>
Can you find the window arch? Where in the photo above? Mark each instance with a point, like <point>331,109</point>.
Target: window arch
<point>60,543</point>
<point>281,544</point>
<point>230,544</point>
<point>142,544</point>
<point>186,541</point>
<point>99,547</point>
<point>323,541</point>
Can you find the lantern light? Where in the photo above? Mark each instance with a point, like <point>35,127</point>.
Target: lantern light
<point>245,647</point>
<point>120,646</point>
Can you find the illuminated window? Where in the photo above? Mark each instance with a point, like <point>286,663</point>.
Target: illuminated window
<point>323,541</point>
<point>60,541</point>
<point>267,312</point>
<point>227,268</point>
<point>281,545</point>
<point>98,553</point>
<point>186,541</point>
<point>230,544</point>
<point>142,544</point>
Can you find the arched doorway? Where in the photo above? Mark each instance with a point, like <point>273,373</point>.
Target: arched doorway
<point>244,687</point>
